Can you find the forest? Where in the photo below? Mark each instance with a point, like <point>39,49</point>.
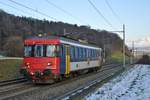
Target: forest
<point>14,29</point>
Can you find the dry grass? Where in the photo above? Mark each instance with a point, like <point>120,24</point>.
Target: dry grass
<point>9,69</point>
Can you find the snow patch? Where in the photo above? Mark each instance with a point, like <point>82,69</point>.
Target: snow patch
<point>130,85</point>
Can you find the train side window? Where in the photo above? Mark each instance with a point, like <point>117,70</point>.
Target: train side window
<point>57,50</point>
<point>70,49</point>
<point>94,53</point>
<point>72,55</point>
<point>44,50</point>
<point>80,49</point>
<point>91,53</point>
<point>97,53</point>
<point>84,54</point>
<point>79,54</point>
<point>85,50</point>
<point>88,53</point>
<point>76,53</point>
<point>61,50</point>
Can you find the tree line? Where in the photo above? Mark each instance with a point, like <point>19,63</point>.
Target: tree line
<point>14,29</point>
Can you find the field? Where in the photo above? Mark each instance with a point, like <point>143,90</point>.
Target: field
<point>118,57</point>
<point>9,69</point>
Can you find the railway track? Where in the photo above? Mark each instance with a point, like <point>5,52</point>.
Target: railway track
<point>81,91</point>
<point>16,90</point>
<point>13,81</point>
<point>13,89</point>
<point>12,86</point>
<point>69,95</point>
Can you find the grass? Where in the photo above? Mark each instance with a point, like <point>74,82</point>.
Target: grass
<point>118,57</point>
<point>9,69</point>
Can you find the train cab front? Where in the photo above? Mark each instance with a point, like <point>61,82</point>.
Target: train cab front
<point>41,62</point>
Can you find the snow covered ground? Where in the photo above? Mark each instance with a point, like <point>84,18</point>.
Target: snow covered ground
<point>133,84</point>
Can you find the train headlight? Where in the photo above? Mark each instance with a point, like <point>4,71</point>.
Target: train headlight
<point>27,64</point>
<point>31,73</point>
<point>49,64</point>
<point>41,73</point>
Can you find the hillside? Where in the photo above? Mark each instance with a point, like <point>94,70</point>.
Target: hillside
<point>14,29</point>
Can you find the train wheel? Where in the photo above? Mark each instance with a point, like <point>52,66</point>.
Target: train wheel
<point>96,69</point>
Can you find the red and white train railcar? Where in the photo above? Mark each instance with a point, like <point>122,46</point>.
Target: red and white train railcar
<point>50,58</point>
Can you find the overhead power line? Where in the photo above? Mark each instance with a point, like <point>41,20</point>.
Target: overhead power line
<point>64,11</point>
<point>14,7</point>
<point>114,13</point>
<point>98,11</point>
<point>34,10</point>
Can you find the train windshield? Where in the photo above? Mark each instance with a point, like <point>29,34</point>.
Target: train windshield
<point>51,51</point>
<point>28,51</point>
<point>38,52</point>
<point>41,51</point>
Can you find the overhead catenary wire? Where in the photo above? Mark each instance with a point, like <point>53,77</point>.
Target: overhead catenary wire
<point>114,13</point>
<point>99,12</point>
<point>64,11</point>
<point>34,10</point>
<point>14,8</point>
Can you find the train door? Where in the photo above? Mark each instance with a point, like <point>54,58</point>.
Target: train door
<point>65,59</point>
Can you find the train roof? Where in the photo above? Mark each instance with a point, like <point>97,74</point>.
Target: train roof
<point>65,40</point>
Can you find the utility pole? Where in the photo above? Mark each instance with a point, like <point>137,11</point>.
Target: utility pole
<point>104,51</point>
<point>133,51</point>
<point>64,31</point>
<point>123,47</point>
<point>124,51</point>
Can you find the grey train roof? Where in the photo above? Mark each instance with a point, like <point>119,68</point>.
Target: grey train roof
<point>64,40</point>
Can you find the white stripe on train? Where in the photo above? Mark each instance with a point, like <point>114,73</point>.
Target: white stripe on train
<point>80,45</point>
<point>84,65</point>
